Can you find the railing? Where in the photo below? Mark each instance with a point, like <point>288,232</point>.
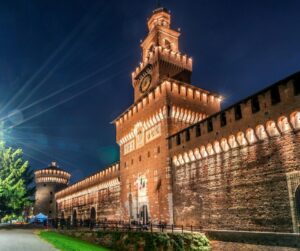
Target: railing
<point>121,226</point>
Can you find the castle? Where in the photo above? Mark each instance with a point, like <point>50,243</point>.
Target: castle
<point>183,160</point>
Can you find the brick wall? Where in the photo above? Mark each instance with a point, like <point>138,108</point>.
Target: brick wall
<point>242,175</point>
<point>243,189</point>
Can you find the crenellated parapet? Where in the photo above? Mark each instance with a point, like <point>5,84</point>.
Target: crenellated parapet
<point>101,179</point>
<point>168,55</point>
<point>174,112</point>
<point>269,113</point>
<point>168,87</point>
<point>52,174</point>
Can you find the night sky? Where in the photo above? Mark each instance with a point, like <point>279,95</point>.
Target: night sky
<point>65,66</point>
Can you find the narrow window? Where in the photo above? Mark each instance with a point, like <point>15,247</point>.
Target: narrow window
<point>178,141</point>
<point>255,104</point>
<point>198,130</point>
<point>167,44</point>
<point>237,112</point>
<point>209,125</point>
<point>296,84</point>
<point>169,110</point>
<point>149,154</point>
<point>158,149</point>
<point>223,119</point>
<point>125,164</point>
<point>187,135</point>
<point>140,158</point>
<point>275,96</point>
<point>131,161</point>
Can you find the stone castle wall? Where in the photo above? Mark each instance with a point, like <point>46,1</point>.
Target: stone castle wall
<point>243,189</point>
<point>241,172</point>
<point>99,192</point>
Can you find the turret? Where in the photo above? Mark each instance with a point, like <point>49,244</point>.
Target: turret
<point>48,181</point>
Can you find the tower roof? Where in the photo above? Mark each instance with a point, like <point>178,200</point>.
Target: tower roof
<point>159,17</point>
<point>160,9</point>
<point>52,166</point>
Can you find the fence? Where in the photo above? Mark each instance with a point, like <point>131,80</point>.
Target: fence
<point>121,226</point>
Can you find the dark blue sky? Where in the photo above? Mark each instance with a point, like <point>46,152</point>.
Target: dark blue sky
<point>81,54</point>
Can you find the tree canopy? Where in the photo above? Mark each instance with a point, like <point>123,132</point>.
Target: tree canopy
<point>16,181</point>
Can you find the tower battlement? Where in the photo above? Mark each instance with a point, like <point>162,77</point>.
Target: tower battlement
<point>165,54</point>
<point>48,181</point>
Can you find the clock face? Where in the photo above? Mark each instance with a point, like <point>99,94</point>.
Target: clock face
<point>145,83</point>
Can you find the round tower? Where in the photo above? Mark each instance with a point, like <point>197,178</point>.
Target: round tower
<point>48,181</point>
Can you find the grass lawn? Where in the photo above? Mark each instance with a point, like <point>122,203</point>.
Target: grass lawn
<point>66,243</point>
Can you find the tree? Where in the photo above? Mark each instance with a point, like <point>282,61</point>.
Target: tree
<point>16,181</point>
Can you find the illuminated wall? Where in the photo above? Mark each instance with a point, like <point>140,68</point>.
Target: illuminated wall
<point>240,168</point>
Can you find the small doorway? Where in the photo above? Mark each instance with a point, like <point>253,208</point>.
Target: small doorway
<point>93,213</point>
<point>93,217</point>
<point>74,218</point>
<point>144,214</point>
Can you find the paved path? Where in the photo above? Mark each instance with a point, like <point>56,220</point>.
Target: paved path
<point>233,246</point>
<point>22,240</point>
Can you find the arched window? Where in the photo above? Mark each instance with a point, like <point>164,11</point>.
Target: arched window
<point>151,48</point>
<point>167,44</point>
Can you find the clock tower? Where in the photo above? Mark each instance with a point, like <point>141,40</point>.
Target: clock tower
<point>161,57</point>
<point>165,102</point>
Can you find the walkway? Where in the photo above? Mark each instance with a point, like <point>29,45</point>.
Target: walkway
<point>22,240</point>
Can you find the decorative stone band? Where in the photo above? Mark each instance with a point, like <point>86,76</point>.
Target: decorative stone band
<point>51,180</point>
<point>90,190</point>
<point>97,178</point>
<point>272,128</point>
<point>174,87</point>
<point>153,120</point>
<point>177,113</point>
<point>43,175</point>
<point>173,56</point>
<point>185,115</point>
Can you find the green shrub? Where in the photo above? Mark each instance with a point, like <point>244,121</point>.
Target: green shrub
<point>153,241</point>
